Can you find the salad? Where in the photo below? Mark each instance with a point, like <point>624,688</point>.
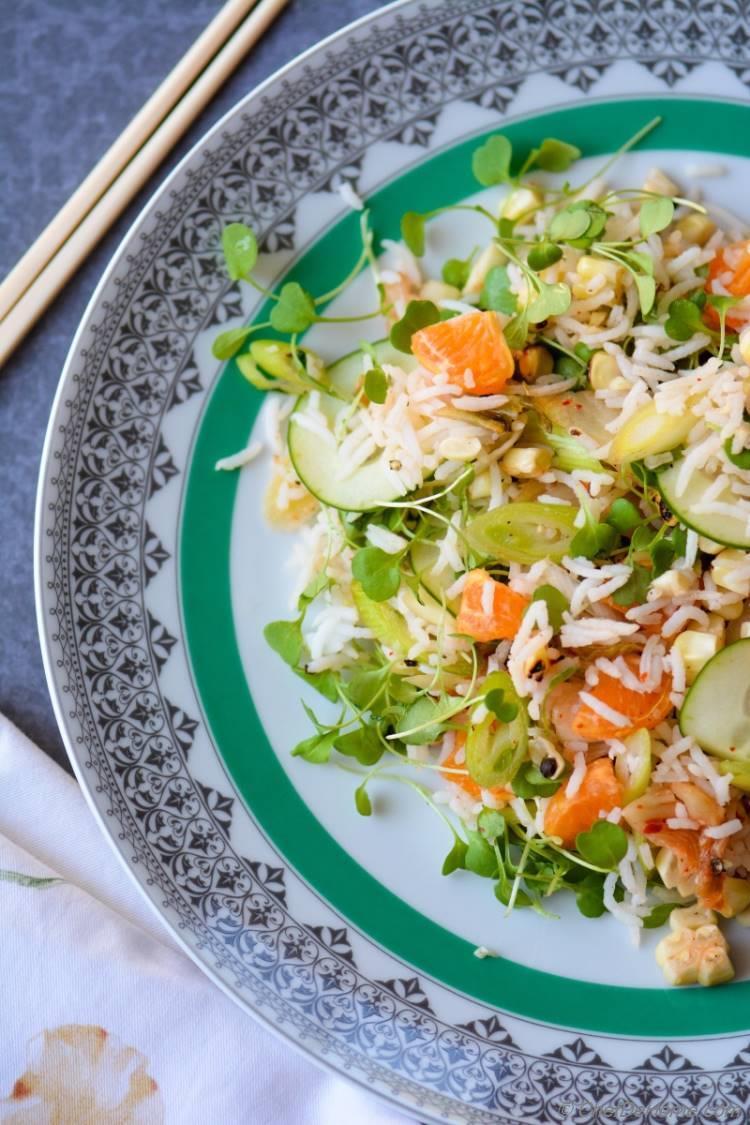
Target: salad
<point>522,547</point>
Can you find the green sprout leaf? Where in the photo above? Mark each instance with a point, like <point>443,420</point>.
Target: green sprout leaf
<point>456,857</point>
<point>502,709</point>
<point>363,744</point>
<point>555,156</point>
<point>530,782</point>
<point>659,915</point>
<point>623,516</point>
<point>516,330</point>
<point>635,590</point>
<point>229,343</point>
<point>316,749</point>
<point>551,300</point>
<point>240,248</point>
<point>556,603</point>
<point>426,713</point>
<point>480,856</point>
<point>497,293</point>
<point>544,254</point>
<point>376,385</point>
<point>592,539</point>
<point>285,638</point>
<point>378,573</point>
<point>722,305</point>
<point>294,311</point>
<point>646,287</point>
<point>684,320</point>
<point>590,895</point>
<point>362,800</point>
<point>491,823</point>
<point>569,223</point>
<point>655,214</point>
<point>418,314</point>
<point>604,845</point>
<point>456,271</point>
<point>490,163</point>
<point>412,232</point>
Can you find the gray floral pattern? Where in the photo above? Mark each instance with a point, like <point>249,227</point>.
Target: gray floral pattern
<point>134,368</point>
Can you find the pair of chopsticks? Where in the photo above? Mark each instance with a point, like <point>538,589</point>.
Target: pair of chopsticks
<point>123,170</point>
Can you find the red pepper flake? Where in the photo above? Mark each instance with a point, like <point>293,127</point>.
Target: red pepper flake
<point>653,826</point>
<point>566,402</point>
<point>20,1090</point>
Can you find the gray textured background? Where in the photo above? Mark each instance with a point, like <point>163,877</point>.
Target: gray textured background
<point>72,74</point>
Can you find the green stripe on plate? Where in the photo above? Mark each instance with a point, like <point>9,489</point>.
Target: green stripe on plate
<point>719,127</point>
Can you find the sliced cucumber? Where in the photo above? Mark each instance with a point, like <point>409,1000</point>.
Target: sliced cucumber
<point>317,462</point>
<point>731,531</point>
<point>495,750</point>
<point>423,555</point>
<point>716,711</point>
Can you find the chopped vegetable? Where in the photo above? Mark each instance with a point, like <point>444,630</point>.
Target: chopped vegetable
<point>490,610</point>
<point>599,792</point>
<point>470,349</point>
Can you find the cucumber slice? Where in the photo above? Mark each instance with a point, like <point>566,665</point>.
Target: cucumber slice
<point>495,750</point>
<point>316,462</point>
<point>423,555</point>
<point>731,531</point>
<point>716,711</point>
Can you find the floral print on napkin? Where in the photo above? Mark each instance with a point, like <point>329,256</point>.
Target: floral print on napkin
<point>82,1075</point>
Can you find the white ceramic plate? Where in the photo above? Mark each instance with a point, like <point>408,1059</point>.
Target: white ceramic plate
<point>156,576</point>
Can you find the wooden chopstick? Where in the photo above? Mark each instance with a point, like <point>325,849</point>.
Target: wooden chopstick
<point>118,154</point>
<point>105,209</point>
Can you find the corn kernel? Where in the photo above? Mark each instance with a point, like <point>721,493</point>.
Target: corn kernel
<point>589,267</point>
<point>731,612</point>
<point>490,257</point>
<point>479,489</point>
<point>459,448</point>
<point>672,583</point>
<point>521,202</point>
<point>604,373</point>
<point>695,228</point>
<point>696,649</point>
<point>691,917</point>
<point>439,291</point>
<point>535,361</point>
<point>729,571</point>
<point>526,461</point>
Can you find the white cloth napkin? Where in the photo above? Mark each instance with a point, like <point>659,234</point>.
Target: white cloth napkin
<point>103,1020</point>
